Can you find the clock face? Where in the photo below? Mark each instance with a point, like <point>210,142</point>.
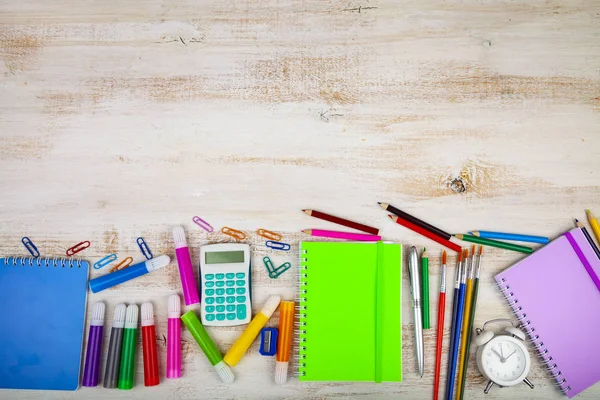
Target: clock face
<point>504,360</point>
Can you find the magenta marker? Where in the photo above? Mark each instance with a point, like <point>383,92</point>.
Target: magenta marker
<point>92,356</point>
<point>174,338</point>
<point>186,272</point>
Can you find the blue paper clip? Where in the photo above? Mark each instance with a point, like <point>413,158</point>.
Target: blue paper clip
<point>277,245</point>
<point>275,272</point>
<point>268,341</point>
<point>105,261</point>
<point>30,246</point>
<point>144,248</point>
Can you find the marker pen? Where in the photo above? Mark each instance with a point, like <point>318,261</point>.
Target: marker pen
<point>124,275</point>
<point>149,346</point>
<point>209,348</point>
<point>111,372</point>
<point>127,367</point>
<point>235,353</point>
<point>174,338</point>
<point>94,346</point>
<point>284,343</point>
<point>186,272</point>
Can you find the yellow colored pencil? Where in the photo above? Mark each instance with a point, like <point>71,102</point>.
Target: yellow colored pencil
<point>594,224</point>
<point>465,326</point>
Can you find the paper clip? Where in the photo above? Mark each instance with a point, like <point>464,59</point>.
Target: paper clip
<point>234,233</point>
<point>144,248</point>
<point>269,235</point>
<point>105,261</point>
<point>78,247</point>
<point>277,245</point>
<point>30,246</point>
<point>202,224</point>
<point>275,272</point>
<point>122,265</point>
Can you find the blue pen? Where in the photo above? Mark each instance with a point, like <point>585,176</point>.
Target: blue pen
<point>453,320</point>
<point>511,236</point>
<point>453,361</point>
<point>126,274</point>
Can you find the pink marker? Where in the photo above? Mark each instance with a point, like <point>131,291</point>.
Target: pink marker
<point>361,237</point>
<point>174,338</point>
<point>186,272</point>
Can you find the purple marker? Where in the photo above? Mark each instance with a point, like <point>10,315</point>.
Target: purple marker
<point>186,271</point>
<point>92,356</point>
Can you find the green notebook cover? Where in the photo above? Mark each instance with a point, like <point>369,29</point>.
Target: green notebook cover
<point>350,322</point>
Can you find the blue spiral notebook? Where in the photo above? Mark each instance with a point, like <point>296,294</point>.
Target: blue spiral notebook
<point>42,316</point>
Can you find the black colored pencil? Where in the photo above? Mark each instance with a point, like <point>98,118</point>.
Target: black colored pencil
<point>588,237</point>
<point>415,220</point>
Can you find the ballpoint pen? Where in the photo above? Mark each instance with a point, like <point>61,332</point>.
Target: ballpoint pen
<point>453,322</point>
<point>459,317</point>
<point>415,288</point>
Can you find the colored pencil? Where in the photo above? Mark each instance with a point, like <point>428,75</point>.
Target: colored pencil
<point>453,330</point>
<point>453,361</point>
<point>342,235</point>
<point>471,322</point>
<point>425,289</point>
<point>341,221</point>
<point>416,221</point>
<point>511,236</point>
<point>427,234</point>
<point>588,237</point>
<point>494,243</point>
<point>465,325</point>
<point>594,224</point>
<point>440,329</point>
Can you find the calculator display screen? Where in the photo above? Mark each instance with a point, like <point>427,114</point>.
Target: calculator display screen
<point>224,257</point>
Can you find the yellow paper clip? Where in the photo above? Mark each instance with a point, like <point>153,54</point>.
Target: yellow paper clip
<point>234,233</point>
<point>269,235</point>
<point>123,264</point>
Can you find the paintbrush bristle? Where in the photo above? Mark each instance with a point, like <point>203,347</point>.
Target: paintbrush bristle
<point>444,257</point>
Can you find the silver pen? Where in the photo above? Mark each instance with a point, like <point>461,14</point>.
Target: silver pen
<point>415,289</point>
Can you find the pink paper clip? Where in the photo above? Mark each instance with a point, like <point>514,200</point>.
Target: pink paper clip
<point>202,224</point>
<point>78,247</point>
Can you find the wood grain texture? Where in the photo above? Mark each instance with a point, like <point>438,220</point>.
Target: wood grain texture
<point>121,119</point>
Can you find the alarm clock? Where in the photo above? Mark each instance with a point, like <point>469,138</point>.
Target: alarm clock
<point>502,358</point>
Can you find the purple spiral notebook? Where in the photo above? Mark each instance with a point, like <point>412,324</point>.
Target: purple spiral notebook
<point>553,294</point>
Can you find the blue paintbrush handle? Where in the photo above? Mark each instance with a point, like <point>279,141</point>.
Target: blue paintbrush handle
<point>452,334</point>
<point>456,340</point>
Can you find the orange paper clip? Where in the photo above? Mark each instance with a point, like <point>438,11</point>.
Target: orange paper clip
<point>78,247</point>
<point>123,264</point>
<point>234,233</point>
<point>269,235</point>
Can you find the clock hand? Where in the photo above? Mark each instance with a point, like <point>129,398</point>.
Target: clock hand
<point>510,355</point>
<point>502,352</point>
<point>501,357</point>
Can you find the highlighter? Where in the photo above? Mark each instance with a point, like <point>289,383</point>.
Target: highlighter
<point>149,346</point>
<point>287,310</point>
<point>111,372</point>
<point>127,367</point>
<point>186,272</point>
<point>209,348</point>
<point>235,353</point>
<point>126,274</point>
<point>94,346</point>
<point>174,338</point>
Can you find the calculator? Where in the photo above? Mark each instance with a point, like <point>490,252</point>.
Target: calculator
<point>224,275</point>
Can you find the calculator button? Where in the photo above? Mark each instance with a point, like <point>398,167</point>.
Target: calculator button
<point>209,292</point>
<point>230,299</point>
<point>230,283</point>
<point>230,275</point>
<point>230,316</point>
<point>209,284</point>
<point>241,299</point>
<point>230,291</point>
<point>230,308</point>
<point>220,292</point>
<point>220,308</point>
<point>220,300</point>
<point>210,317</point>
<point>209,277</point>
<point>220,276</point>
<point>240,275</point>
<point>220,283</point>
<point>240,283</point>
<point>210,309</point>
<point>220,317</point>
<point>241,311</point>
<point>240,290</point>
<point>210,300</point>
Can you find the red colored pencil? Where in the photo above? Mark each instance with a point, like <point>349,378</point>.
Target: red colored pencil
<point>426,233</point>
<point>342,221</point>
<point>440,328</point>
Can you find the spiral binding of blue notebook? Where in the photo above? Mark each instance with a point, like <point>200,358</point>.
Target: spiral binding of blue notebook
<point>42,309</point>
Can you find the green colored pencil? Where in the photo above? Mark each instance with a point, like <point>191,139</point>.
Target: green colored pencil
<point>425,289</point>
<point>495,243</point>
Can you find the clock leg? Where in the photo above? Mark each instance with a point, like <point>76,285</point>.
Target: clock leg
<point>488,387</point>
<point>528,382</point>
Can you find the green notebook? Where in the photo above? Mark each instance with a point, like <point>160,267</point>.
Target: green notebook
<point>350,325</point>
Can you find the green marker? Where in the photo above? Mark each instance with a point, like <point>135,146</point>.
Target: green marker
<point>425,288</point>
<point>127,366</point>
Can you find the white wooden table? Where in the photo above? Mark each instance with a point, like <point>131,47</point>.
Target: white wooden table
<point>122,119</point>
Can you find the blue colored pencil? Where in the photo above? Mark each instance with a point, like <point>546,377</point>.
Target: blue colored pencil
<point>511,236</point>
<point>454,344</point>
<point>454,328</point>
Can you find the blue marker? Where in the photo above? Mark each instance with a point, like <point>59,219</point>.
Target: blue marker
<point>124,275</point>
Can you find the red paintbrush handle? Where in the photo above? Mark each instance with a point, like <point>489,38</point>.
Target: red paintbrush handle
<point>438,346</point>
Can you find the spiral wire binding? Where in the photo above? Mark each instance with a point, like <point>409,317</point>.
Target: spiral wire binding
<point>47,261</point>
<point>300,322</point>
<point>542,352</point>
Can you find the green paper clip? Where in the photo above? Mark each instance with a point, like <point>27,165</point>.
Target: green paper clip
<point>275,272</point>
